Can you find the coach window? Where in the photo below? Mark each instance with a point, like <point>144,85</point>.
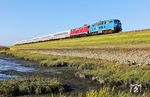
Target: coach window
<point>110,21</point>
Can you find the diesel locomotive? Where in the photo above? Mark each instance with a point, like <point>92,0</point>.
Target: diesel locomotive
<point>101,27</point>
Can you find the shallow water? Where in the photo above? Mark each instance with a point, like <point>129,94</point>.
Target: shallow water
<point>6,65</point>
<point>11,67</point>
<point>4,76</point>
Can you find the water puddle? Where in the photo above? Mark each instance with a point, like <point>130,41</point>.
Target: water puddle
<point>4,76</point>
<point>15,68</point>
<point>6,65</point>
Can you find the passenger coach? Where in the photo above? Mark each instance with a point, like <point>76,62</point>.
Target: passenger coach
<point>62,35</point>
<point>101,27</point>
<point>79,31</point>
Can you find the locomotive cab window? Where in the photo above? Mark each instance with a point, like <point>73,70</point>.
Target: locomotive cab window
<point>110,21</point>
<point>116,21</point>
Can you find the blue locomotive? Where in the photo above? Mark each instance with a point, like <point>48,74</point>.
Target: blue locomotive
<point>101,27</point>
<point>108,26</point>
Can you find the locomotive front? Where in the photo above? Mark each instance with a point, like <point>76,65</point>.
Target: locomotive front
<point>117,26</point>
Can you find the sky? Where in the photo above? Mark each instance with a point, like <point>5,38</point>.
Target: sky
<point>24,19</point>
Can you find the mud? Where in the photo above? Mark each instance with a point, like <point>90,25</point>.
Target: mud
<point>131,56</point>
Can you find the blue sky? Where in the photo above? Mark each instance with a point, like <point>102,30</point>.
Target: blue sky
<point>24,19</point>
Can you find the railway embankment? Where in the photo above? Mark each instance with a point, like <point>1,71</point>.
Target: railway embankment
<point>131,48</point>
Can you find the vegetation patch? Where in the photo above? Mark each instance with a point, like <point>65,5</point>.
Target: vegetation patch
<point>3,49</point>
<point>108,73</point>
<point>26,86</point>
<point>106,92</point>
<point>49,60</point>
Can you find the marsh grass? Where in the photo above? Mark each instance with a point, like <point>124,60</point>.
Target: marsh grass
<point>26,86</point>
<point>109,71</point>
<point>3,49</point>
<point>54,61</point>
<point>107,92</point>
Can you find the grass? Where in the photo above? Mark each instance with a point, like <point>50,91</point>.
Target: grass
<point>3,49</point>
<point>103,92</point>
<point>106,92</point>
<point>115,75</point>
<point>53,60</point>
<point>124,39</point>
<point>111,72</point>
<point>26,86</point>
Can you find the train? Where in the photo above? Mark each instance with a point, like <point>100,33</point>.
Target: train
<point>101,27</point>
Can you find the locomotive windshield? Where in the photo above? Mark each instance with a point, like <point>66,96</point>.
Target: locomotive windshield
<point>117,21</point>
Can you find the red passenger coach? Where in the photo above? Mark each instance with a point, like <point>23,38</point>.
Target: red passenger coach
<point>80,31</point>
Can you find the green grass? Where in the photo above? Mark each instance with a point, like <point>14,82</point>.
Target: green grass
<point>106,92</point>
<point>109,71</point>
<point>103,92</point>
<point>54,60</point>
<point>3,49</point>
<point>124,39</point>
<point>26,86</point>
